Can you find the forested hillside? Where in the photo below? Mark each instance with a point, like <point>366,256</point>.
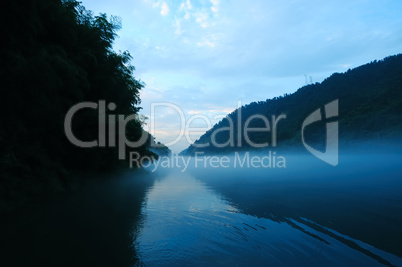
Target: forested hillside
<point>55,54</point>
<point>370,104</point>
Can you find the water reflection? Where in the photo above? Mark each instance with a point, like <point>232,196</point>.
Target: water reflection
<point>93,227</point>
<point>249,217</point>
<point>308,214</point>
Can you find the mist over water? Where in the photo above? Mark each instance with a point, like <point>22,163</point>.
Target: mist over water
<point>76,112</point>
<point>308,213</point>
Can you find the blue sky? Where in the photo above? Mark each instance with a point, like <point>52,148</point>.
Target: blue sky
<point>205,56</point>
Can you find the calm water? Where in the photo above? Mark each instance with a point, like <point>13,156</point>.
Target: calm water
<point>307,214</point>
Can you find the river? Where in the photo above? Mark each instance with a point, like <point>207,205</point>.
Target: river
<point>307,214</point>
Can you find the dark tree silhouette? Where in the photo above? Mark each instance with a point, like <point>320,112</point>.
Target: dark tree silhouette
<point>370,104</point>
<point>55,54</point>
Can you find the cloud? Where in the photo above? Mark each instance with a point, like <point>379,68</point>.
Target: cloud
<point>164,9</point>
<point>201,19</point>
<point>206,55</point>
<point>186,5</point>
<point>214,6</point>
<point>178,30</point>
<point>206,42</point>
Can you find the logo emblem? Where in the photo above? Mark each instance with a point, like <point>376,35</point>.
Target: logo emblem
<point>331,155</point>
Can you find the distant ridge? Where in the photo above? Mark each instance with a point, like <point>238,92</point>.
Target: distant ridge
<point>370,108</point>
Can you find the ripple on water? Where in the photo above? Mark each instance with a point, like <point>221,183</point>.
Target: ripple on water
<point>186,223</point>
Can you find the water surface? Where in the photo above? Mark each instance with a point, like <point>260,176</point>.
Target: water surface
<point>307,214</point>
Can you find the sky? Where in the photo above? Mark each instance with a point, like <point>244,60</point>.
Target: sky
<point>200,60</point>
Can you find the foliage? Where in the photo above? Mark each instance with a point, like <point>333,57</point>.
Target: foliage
<point>56,54</point>
<point>370,106</point>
